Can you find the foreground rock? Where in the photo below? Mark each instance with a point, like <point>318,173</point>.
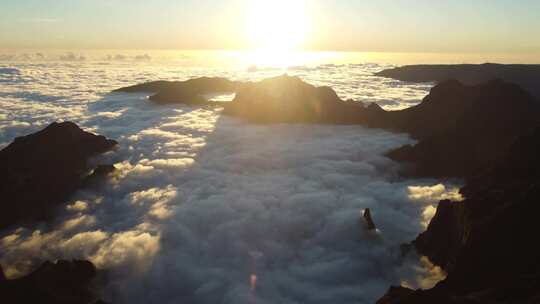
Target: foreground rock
<point>487,243</point>
<point>527,76</point>
<point>192,92</point>
<point>63,282</point>
<point>41,170</point>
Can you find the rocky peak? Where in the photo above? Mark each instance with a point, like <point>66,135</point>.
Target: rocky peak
<point>40,170</point>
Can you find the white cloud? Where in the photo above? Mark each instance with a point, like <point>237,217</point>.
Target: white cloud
<point>168,163</point>
<point>200,202</point>
<point>434,193</point>
<point>133,250</point>
<point>84,220</point>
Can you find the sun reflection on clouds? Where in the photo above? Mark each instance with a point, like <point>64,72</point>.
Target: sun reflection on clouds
<point>77,238</point>
<point>77,206</point>
<point>168,163</point>
<point>195,193</point>
<point>158,200</point>
<point>432,195</point>
<point>131,249</point>
<point>428,275</point>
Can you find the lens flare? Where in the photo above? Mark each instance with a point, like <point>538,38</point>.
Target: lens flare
<point>253,281</point>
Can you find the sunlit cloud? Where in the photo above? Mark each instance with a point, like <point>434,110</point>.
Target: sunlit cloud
<point>78,206</point>
<point>203,200</point>
<point>432,195</point>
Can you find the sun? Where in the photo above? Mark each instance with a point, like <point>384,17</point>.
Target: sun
<point>277,25</point>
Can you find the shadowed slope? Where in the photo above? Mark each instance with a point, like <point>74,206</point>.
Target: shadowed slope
<point>487,242</point>
<point>63,282</point>
<point>463,128</point>
<point>41,170</point>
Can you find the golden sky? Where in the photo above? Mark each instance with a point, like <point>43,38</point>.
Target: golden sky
<point>353,25</point>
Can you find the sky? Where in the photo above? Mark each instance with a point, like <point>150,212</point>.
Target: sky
<point>338,25</point>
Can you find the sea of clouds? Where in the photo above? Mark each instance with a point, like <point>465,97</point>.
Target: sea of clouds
<point>206,208</point>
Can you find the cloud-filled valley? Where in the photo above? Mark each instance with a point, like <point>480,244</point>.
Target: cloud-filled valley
<point>206,208</point>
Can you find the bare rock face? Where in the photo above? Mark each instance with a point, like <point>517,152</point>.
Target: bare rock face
<point>446,234</point>
<point>63,282</point>
<point>41,170</point>
<point>487,243</point>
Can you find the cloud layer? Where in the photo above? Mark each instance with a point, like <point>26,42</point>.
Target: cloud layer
<point>205,208</point>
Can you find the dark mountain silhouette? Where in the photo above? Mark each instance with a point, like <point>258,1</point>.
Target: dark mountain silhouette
<point>41,170</point>
<point>487,242</point>
<point>527,76</point>
<point>63,282</point>
<point>273,100</point>
<point>460,128</point>
<point>191,91</point>
<point>463,128</point>
<point>286,99</point>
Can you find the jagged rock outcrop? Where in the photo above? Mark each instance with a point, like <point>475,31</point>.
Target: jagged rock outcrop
<point>190,92</point>
<point>487,243</point>
<point>370,225</point>
<point>63,282</point>
<point>41,170</point>
<point>525,75</point>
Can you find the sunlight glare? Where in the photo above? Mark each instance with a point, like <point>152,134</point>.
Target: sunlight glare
<point>277,24</point>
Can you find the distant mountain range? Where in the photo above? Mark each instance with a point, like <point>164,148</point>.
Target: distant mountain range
<point>525,75</point>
